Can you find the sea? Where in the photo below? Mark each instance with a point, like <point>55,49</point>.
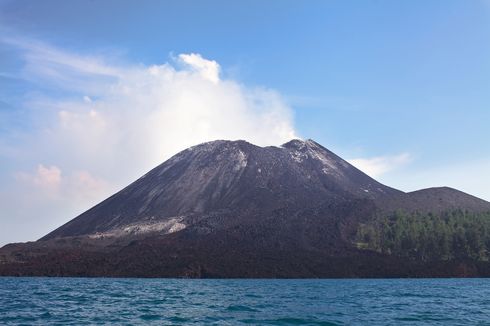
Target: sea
<point>133,301</point>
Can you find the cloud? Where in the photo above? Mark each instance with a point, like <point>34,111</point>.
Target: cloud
<point>378,166</point>
<point>39,200</point>
<point>46,178</point>
<point>50,183</point>
<point>98,116</point>
<point>149,113</point>
<point>208,69</point>
<point>470,176</point>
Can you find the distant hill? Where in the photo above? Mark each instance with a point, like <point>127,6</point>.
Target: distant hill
<point>233,209</point>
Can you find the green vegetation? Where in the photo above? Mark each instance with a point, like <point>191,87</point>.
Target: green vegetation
<point>445,236</point>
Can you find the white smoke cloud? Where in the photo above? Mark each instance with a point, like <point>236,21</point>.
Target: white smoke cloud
<point>108,124</point>
<point>208,69</point>
<point>149,113</point>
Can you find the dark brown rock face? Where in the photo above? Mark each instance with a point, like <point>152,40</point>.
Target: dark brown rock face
<point>233,209</point>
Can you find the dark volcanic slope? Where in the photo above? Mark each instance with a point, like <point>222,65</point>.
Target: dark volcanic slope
<point>230,176</point>
<point>444,197</point>
<point>233,209</point>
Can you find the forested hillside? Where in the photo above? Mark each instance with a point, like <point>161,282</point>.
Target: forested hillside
<point>451,235</point>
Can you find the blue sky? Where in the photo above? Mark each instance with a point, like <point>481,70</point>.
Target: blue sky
<point>94,93</point>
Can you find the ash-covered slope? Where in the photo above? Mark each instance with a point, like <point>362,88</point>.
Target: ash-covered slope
<point>234,178</point>
<point>233,209</point>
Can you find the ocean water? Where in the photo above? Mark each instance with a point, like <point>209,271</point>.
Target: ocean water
<point>83,301</point>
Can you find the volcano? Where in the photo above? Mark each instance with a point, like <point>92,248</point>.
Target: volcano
<point>233,209</point>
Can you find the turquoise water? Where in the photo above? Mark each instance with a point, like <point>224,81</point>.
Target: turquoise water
<point>79,301</point>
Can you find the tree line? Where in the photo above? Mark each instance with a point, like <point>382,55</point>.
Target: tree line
<point>427,236</point>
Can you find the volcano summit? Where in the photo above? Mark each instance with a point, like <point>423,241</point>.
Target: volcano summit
<point>233,209</point>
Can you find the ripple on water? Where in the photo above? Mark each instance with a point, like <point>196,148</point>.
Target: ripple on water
<point>177,319</point>
<point>301,321</point>
<point>150,317</point>
<point>240,308</point>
